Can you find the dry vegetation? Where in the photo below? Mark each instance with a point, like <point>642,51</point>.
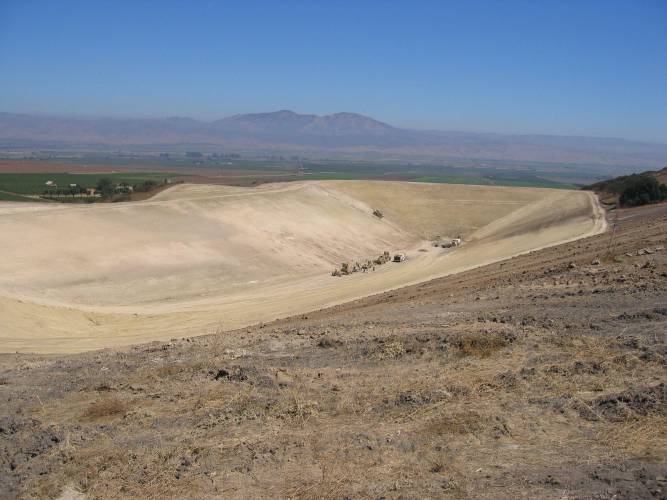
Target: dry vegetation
<point>105,407</point>
<point>539,377</point>
<point>481,346</point>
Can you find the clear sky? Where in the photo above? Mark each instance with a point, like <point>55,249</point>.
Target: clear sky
<point>536,66</point>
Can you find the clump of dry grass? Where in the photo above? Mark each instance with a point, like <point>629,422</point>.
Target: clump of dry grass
<point>106,407</point>
<point>108,470</point>
<point>329,487</point>
<point>295,407</point>
<point>466,422</point>
<point>392,350</point>
<point>173,370</point>
<point>642,438</point>
<point>480,345</point>
<point>328,342</point>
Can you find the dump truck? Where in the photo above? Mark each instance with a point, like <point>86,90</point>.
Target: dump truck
<point>452,243</point>
<point>399,257</point>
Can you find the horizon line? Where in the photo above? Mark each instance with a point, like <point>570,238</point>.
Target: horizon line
<point>83,116</point>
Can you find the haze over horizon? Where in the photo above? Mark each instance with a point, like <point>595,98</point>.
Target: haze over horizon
<point>584,69</point>
<point>95,117</point>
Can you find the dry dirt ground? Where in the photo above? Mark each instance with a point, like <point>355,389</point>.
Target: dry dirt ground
<point>196,259</point>
<point>542,376</point>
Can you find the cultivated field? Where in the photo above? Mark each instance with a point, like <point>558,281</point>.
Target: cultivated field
<point>197,259</point>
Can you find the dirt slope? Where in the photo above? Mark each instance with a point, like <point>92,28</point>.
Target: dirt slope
<point>196,259</point>
<point>542,376</point>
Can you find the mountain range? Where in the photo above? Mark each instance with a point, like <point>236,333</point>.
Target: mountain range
<point>339,133</point>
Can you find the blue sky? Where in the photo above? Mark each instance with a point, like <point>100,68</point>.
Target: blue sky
<point>557,67</point>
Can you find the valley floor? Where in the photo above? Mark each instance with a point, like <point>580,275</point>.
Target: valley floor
<point>542,376</point>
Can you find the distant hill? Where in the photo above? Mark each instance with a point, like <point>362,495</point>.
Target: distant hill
<point>287,121</point>
<point>339,133</point>
<point>616,184</point>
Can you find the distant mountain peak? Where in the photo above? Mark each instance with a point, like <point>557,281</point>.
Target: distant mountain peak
<point>284,113</point>
<point>348,132</point>
<point>180,119</point>
<point>277,124</point>
<point>351,124</point>
<point>349,114</point>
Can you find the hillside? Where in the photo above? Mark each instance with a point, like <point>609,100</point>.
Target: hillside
<point>199,258</point>
<point>542,376</point>
<point>339,133</point>
<point>628,190</point>
<point>661,175</point>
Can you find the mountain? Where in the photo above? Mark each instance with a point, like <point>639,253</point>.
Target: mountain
<point>338,130</point>
<point>336,124</point>
<point>339,133</point>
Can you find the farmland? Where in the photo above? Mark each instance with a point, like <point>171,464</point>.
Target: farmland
<point>28,177</point>
<point>33,183</point>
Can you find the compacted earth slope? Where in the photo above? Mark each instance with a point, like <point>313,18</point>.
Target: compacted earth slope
<point>197,259</point>
<point>541,376</point>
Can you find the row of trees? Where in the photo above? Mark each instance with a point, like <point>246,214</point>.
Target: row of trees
<point>107,188</point>
<point>58,192</point>
<point>212,156</point>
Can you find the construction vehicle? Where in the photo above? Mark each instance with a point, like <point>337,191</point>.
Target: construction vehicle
<point>399,257</point>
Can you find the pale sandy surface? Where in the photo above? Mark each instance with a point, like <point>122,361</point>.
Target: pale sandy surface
<point>197,259</point>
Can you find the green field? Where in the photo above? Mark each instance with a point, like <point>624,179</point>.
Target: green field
<point>253,171</point>
<point>485,181</point>
<point>36,183</point>
<point>176,163</point>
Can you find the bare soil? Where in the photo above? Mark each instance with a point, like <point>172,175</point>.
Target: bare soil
<point>195,259</point>
<point>542,376</point>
